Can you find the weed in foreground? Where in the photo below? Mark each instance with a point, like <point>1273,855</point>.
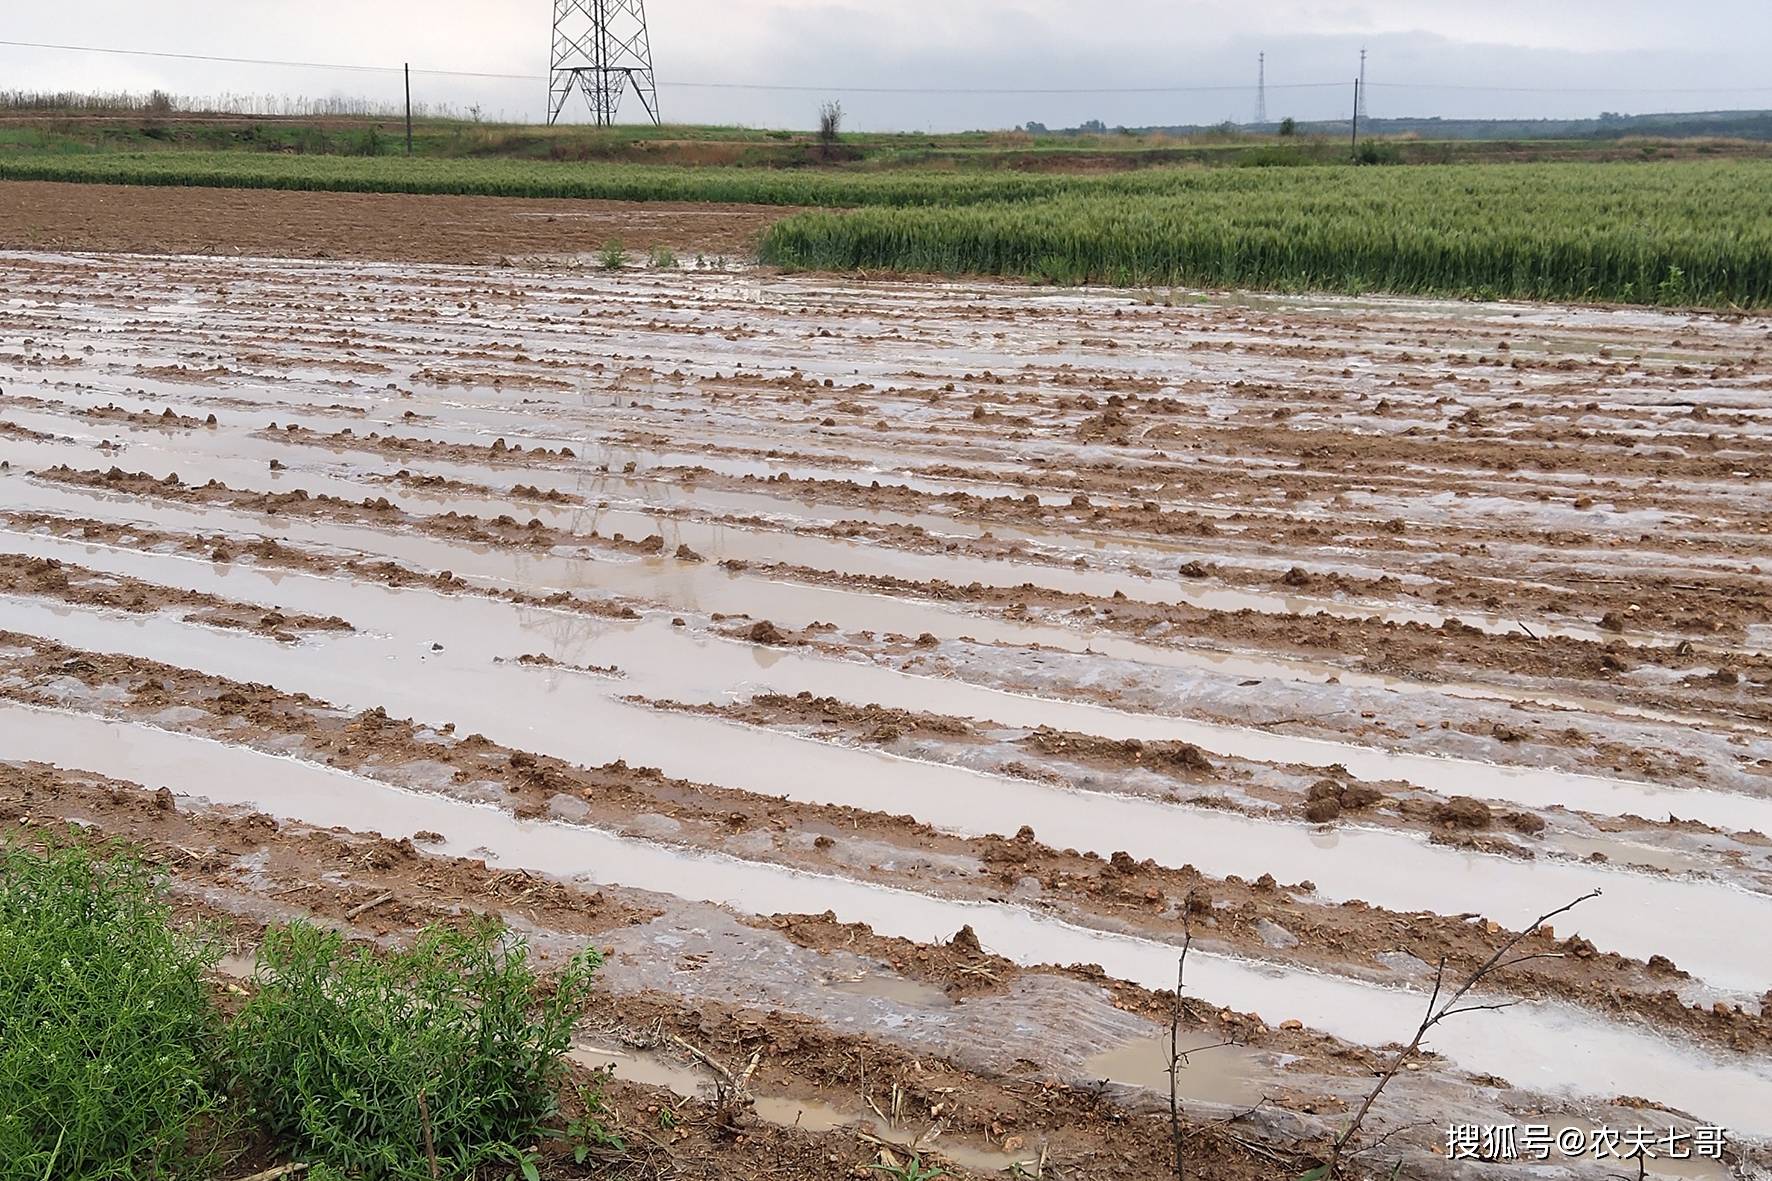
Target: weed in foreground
<point>434,1061</point>
<point>587,1135</point>
<point>109,1048</point>
<point>614,255</point>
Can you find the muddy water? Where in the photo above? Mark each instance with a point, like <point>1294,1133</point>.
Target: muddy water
<point>239,459</point>
<point>706,676</point>
<point>1226,1075</point>
<point>578,719</point>
<point>667,372</point>
<point>716,590</point>
<point>1545,1047</point>
<point>810,1115</point>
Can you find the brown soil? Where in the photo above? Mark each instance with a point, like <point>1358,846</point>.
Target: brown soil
<point>69,583</point>
<point>43,215</point>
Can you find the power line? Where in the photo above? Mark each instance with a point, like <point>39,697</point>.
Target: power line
<point>257,61</point>
<point>1574,89</point>
<point>848,89</point>
<point>770,86</point>
<point>1244,89</point>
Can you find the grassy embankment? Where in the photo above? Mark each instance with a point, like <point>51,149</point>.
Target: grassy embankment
<point>82,130</point>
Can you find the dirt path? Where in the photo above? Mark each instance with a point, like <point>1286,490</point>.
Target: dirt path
<point>40,215</point>
<point>884,671</point>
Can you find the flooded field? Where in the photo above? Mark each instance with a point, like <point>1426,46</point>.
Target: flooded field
<point>892,676</point>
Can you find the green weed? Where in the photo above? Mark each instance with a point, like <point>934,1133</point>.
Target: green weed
<point>614,255</point>
<point>662,259</point>
<point>587,1134</point>
<point>356,1059</point>
<point>109,1065</point>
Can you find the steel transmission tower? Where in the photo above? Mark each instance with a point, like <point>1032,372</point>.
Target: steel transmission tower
<point>1261,89</point>
<point>1362,82</point>
<point>599,47</point>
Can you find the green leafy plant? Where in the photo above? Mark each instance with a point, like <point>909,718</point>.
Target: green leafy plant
<point>1672,289</point>
<point>109,1064</point>
<point>662,259</point>
<point>356,1059</point>
<point>586,1134</point>
<point>614,255</point>
<point>528,1164</point>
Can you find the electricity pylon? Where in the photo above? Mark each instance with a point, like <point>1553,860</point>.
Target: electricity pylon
<point>1261,89</point>
<point>600,46</point>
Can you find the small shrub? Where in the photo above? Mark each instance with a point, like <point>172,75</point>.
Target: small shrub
<point>1288,126</point>
<point>830,123</point>
<point>1373,151</point>
<point>352,1057</point>
<point>614,256</point>
<point>109,1066</point>
<point>367,142</point>
<point>663,259</point>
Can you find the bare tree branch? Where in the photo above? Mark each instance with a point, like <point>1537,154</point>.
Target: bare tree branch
<point>1177,1140</point>
<point>1438,1011</point>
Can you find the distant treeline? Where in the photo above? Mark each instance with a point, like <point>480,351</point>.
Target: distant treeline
<point>160,102</point>
<point>1679,125</point>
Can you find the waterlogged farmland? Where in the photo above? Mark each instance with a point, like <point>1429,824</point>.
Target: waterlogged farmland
<point>888,678</point>
<point>1666,233</point>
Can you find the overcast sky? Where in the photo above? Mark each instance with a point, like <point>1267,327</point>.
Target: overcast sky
<point>1622,55</point>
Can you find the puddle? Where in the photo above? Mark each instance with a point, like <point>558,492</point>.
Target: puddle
<point>815,1116</point>
<point>1620,852</point>
<point>808,1115</point>
<point>892,987</point>
<point>1227,1075</point>
<point>1542,1046</point>
<point>648,1069</point>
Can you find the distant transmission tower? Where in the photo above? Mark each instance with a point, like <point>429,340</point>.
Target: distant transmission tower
<point>1362,83</point>
<point>599,47</point>
<point>1261,89</point>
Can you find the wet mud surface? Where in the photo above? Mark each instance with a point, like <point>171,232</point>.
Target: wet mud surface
<point>48,215</point>
<point>897,674</point>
